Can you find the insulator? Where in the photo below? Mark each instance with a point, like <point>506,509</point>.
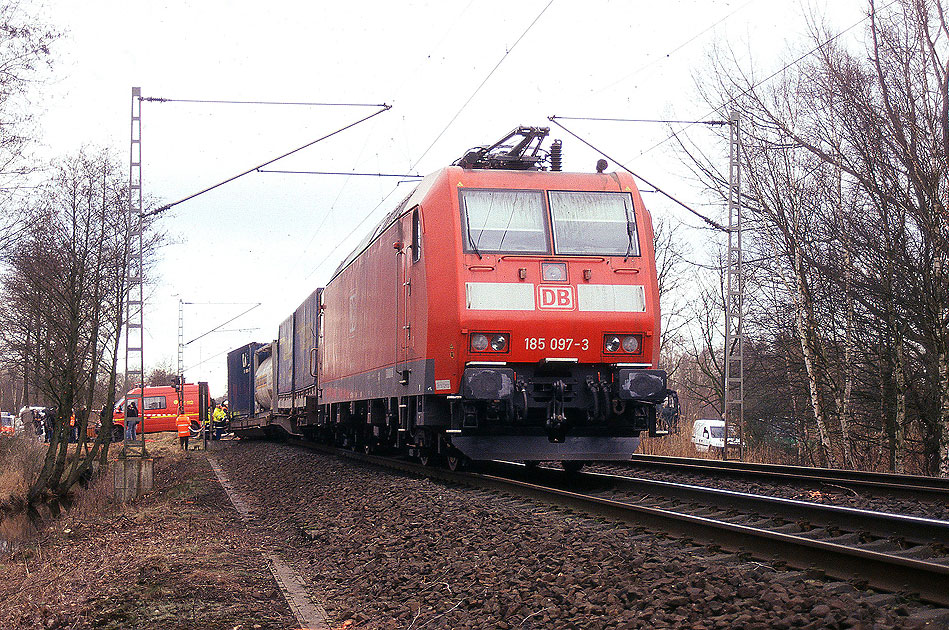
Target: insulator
<point>556,155</point>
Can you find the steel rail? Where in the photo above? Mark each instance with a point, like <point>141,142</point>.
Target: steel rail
<point>881,571</point>
<point>917,486</point>
<point>882,524</point>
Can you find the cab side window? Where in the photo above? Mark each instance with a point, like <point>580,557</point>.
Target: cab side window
<point>416,236</point>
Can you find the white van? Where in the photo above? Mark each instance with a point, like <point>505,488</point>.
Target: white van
<point>707,434</point>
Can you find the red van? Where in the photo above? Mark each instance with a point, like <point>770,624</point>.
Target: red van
<point>161,410</point>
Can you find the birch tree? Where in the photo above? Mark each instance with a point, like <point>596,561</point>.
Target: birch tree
<point>848,177</point>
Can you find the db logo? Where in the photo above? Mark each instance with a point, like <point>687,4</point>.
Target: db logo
<point>558,298</point>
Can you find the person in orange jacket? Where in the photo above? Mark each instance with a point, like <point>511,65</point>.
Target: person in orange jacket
<point>183,423</point>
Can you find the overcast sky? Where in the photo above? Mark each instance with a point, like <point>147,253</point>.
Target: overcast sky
<point>273,238</point>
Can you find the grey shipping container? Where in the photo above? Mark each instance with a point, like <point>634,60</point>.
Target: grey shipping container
<point>240,380</point>
<point>285,359</point>
<point>306,329</point>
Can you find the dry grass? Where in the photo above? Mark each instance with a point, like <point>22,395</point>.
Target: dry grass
<point>172,559</point>
<point>21,458</point>
<point>97,499</point>
<point>680,445</point>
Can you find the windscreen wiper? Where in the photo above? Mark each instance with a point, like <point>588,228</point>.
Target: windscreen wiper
<point>474,245</point>
<point>629,235</point>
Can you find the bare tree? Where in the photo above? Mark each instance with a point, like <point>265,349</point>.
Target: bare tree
<point>66,283</point>
<point>673,275</point>
<point>848,175</point>
<point>703,379</point>
<point>24,55</point>
<point>162,374</point>
<point>881,117</point>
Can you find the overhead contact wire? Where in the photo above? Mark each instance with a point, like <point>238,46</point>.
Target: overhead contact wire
<point>438,137</point>
<point>224,324</point>
<point>161,209</point>
<point>340,173</point>
<point>481,85</point>
<point>643,120</point>
<point>769,77</point>
<point>711,222</point>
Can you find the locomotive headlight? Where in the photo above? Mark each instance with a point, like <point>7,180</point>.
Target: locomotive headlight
<point>479,342</point>
<point>611,343</point>
<point>489,342</point>
<point>553,272</point>
<point>499,343</point>
<point>631,344</point>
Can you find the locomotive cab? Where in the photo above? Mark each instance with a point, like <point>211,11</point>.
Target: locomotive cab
<point>561,318</point>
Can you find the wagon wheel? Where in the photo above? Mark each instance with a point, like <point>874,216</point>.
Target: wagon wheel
<point>456,461</point>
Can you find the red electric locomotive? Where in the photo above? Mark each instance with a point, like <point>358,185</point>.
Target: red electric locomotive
<point>501,311</point>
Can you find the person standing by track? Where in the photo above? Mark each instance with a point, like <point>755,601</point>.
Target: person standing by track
<point>183,422</point>
<point>218,422</point>
<point>131,421</point>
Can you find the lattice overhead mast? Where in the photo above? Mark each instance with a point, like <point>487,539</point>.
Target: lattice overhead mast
<point>134,321</point>
<point>734,288</point>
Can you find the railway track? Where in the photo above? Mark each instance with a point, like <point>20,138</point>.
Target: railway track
<point>888,552</point>
<point>914,486</point>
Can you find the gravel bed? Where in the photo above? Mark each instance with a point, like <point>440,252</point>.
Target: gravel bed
<point>383,550</point>
<point>863,499</point>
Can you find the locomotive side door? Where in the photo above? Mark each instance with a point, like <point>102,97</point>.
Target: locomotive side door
<point>410,255</point>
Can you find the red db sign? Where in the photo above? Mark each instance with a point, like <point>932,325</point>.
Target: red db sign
<point>556,298</point>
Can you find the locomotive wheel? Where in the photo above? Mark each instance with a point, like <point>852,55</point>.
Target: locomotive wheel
<point>426,459</point>
<point>456,462</point>
<point>572,466</point>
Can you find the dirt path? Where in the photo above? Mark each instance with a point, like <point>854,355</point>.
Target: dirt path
<point>180,557</point>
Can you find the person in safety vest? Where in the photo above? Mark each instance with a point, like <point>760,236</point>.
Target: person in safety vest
<point>206,422</point>
<point>218,422</point>
<point>183,423</point>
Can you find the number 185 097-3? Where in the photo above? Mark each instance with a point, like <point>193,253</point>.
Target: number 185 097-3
<point>555,343</point>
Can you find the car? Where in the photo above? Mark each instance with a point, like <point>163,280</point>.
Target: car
<point>708,434</point>
<point>7,424</point>
<point>161,410</point>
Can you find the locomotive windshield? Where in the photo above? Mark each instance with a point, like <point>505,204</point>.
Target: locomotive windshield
<point>515,221</point>
<point>594,223</point>
<point>503,221</point>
